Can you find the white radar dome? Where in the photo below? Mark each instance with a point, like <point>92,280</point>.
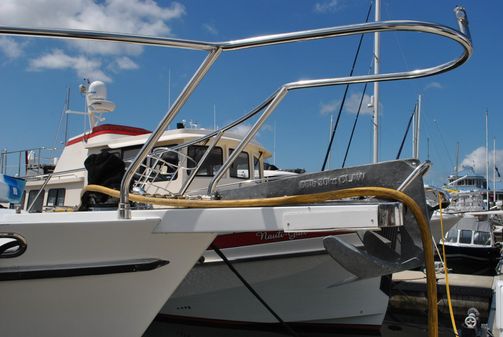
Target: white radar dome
<point>97,91</point>
<point>97,99</point>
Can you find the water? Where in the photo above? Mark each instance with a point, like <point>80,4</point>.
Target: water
<point>395,325</point>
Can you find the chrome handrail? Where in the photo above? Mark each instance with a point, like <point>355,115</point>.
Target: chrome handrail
<point>215,49</point>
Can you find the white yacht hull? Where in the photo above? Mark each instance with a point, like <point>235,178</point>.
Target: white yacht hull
<point>73,278</point>
<point>297,279</point>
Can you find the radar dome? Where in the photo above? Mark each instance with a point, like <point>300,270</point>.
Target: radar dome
<point>97,91</point>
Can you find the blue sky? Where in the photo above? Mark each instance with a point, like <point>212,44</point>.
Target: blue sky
<point>37,72</point>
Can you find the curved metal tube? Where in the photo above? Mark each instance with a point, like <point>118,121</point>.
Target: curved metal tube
<point>214,49</point>
<point>260,41</point>
<point>281,93</point>
<point>124,209</point>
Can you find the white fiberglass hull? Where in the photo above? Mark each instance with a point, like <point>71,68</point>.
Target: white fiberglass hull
<point>448,220</point>
<point>301,283</point>
<point>74,278</point>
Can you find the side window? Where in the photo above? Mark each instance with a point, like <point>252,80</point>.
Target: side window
<point>39,203</point>
<point>212,163</point>
<point>482,238</point>
<point>451,236</point>
<point>128,154</point>
<point>165,166</point>
<point>465,236</point>
<point>240,168</point>
<point>56,197</point>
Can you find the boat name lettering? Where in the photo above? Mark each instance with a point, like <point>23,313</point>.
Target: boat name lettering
<point>332,181</point>
<point>265,236</point>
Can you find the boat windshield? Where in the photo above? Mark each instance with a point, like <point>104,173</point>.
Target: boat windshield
<point>482,238</point>
<point>465,236</point>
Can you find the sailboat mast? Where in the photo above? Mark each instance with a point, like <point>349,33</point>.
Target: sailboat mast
<point>376,84</point>
<point>487,161</point>
<point>457,160</point>
<point>417,128</point>
<point>494,171</point>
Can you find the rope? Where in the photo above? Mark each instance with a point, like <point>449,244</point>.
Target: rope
<point>379,192</point>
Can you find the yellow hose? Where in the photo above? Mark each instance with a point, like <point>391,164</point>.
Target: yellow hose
<point>446,272</point>
<point>379,192</point>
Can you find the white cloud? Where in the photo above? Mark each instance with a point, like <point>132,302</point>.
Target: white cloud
<point>142,17</point>
<point>57,59</point>
<point>433,85</point>
<point>328,6</point>
<point>210,28</point>
<point>477,160</point>
<point>329,107</point>
<point>125,16</point>
<point>10,47</point>
<point>126,63</point>
<point>353,103</point>
<point>241,129</point>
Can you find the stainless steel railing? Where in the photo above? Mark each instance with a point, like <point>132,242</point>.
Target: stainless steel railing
<point>214,49</point>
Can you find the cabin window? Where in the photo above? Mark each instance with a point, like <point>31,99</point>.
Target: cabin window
<point>240,168</point>
<point>129,154</point>
<point>212,163</point>
<point>39,203</point>
<point>465,236</point>
<point>451,236</point>
<point>165,168</point>
<point>56,197</point>
<point>482,238</point>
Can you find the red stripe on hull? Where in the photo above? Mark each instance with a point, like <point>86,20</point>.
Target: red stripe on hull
<point>257,238</point>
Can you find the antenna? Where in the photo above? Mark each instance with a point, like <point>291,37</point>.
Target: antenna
<point>169,88</point>
<point>377,67</point>
<point>67,107</point>
<point>214,117</point>
<point>96,103</point>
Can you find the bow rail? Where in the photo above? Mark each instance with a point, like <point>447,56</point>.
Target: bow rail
<point>214,49</point>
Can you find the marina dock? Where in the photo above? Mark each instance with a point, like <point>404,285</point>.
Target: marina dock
<point>408,292</point>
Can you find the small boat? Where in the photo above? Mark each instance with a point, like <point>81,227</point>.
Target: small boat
<point>470,247</point>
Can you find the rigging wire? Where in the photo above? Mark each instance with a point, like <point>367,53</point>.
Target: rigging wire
<point>406,132</point>
<point>253,291</point>
<point>329,148</point>
<point>356,120</point>
<point>64,115</point>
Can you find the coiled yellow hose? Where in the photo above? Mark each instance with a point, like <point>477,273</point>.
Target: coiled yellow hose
<point>379,192</point>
